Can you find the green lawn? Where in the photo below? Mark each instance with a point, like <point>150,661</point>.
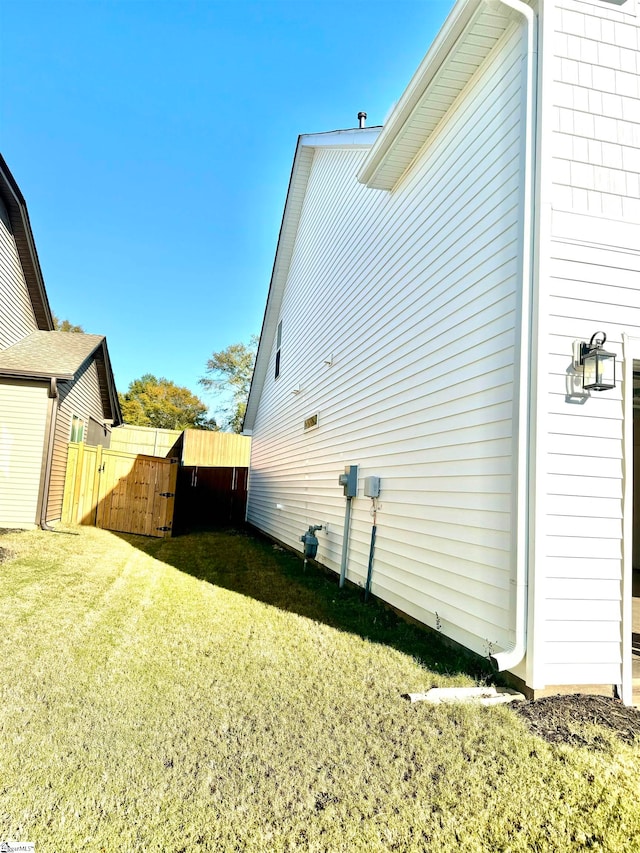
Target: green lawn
<point>203,693</point>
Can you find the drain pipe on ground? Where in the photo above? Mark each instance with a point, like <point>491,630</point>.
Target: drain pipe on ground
<point>510,657</point>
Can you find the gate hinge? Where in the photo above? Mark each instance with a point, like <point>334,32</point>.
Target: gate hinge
<point>164,529</point>
<point>167,494</point>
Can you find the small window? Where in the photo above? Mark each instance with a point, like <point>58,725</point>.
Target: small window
<point>278,347</point>
<point>77,428</point>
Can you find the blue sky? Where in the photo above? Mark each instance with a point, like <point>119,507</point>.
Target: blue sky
<point>153,143</point>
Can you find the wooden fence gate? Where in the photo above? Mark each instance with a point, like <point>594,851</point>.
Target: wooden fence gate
<point>127,492</point>
<point>210,497</point>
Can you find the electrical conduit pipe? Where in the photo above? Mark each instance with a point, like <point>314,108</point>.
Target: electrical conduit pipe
<point>345,542</point>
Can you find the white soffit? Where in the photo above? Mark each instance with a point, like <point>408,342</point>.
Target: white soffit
<point>466,39</point>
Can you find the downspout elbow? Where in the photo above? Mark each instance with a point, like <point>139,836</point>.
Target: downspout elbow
<point>507,659</point>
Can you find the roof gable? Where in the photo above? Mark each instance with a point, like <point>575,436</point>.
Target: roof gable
<point>298,182</point>
<point>47,354</point>
<point>25,244</point>
<point>61,355</point>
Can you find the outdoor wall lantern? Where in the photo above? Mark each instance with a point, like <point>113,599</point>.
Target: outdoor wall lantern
<point>598,365</point>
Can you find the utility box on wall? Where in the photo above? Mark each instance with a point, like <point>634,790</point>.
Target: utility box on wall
<point>372,487</point>
<point>349,481</point>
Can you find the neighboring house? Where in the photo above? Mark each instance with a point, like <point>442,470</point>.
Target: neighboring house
<point>430,284</point>
<point>54,386</point>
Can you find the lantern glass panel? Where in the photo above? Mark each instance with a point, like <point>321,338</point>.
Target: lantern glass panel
<point>599,371</point>
<point>589,371</point>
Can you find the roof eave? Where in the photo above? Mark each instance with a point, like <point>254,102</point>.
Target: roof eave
<point>112,391</point>
<point>15,373</point>
<point>376,171</point>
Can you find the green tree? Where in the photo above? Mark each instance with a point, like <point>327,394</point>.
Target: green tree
<point>160,403</point>
<point>229,375</point>
<point>65,325</point>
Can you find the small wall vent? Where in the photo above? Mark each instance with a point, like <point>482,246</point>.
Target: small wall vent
<point>311,423</point>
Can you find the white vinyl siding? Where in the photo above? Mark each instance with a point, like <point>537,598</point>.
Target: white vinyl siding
<point>592,274</point>
<point>23,418</point>
<point>412,298</point>
<point>582,470</point>
<point>17,319</point>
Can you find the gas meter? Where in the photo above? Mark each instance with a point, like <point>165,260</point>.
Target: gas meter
<point>310,541</point>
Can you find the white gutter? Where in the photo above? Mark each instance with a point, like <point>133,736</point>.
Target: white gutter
<point>510,657</point>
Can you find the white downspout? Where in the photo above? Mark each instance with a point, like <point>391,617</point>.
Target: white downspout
<point>54,397</point>
<point>510,657</point>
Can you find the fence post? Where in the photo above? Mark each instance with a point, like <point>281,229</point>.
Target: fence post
<point>95,491</point>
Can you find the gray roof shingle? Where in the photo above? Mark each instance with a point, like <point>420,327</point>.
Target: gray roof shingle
<point>58,354</point>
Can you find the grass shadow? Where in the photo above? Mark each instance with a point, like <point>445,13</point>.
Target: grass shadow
<point>243,561</point>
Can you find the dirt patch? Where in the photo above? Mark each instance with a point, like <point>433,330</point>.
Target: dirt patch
<point>6,553</point>
<point>558,719</point>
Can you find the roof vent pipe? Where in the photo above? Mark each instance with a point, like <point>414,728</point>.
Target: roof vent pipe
<point>362,117</point>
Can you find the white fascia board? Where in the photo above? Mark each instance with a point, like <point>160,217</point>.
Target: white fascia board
<point>35,374</point>
<point>457,24</point>
<point>300,171</point>
<point>290,218</point>
<point>353,138</point>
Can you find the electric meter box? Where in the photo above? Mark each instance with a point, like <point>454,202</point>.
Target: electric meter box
<point>372,487</point>
<point>349,481</point>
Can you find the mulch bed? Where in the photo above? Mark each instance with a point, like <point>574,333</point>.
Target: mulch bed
<point>557,718</point>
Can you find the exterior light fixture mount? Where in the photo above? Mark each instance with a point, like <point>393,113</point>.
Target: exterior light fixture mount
<point>598,365</point>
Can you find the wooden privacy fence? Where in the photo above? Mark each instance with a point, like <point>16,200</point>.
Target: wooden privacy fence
<point>146,440</point>
<point>127,492</point>
<point>210,497</point>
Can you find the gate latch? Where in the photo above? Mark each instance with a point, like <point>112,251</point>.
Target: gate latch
<point>167,495</point>
<point>164,529</point>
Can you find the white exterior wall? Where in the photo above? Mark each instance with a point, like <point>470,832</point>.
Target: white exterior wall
<point>589,280</point>
<point>23,418</point>
<point>412,295</point>
<point>17,319</point>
